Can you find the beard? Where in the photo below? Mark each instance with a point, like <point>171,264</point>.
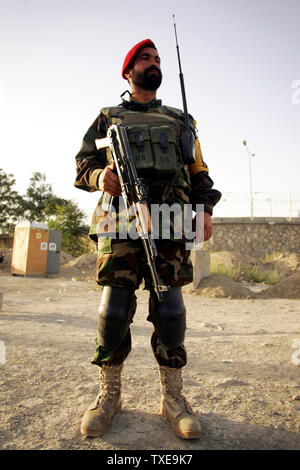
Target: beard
<point>147,80</point>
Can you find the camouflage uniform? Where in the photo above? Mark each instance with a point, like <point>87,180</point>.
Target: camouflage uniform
<point>122,263</point>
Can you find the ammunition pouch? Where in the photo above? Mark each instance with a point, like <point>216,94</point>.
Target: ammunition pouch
<point>153,150</point>
<point>155,141</point>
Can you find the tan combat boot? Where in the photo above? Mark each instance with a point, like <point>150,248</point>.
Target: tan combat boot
<point>174,405</point>
<point>98,416</point>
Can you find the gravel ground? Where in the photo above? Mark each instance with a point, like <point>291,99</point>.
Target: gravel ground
<point>242,377</point>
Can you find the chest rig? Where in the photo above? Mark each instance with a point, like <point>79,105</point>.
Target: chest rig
<point>154,137</point>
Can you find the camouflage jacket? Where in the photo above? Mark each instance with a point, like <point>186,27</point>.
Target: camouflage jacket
<point>90,162</point>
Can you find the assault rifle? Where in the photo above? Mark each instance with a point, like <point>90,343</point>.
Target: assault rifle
<point>134,195</point>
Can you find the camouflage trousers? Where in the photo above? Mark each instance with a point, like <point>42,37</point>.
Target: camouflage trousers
<point>122,263</point>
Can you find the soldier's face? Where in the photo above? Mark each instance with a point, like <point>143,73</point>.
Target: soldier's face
<point>146,72</point>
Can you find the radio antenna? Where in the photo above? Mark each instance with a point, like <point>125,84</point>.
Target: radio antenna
<point>186,119</point>
<point>187,138</point>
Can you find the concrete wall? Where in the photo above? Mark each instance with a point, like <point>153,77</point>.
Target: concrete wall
<point>255,237</point>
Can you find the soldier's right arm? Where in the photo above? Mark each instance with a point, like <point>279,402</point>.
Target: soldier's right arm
<point>90,162</point>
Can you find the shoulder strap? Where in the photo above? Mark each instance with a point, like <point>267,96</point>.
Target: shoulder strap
<point>179,114</point>
<point>174,112</point>
<point>112,111</point>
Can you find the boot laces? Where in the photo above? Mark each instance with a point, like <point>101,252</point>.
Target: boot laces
<point>109,386</point>
<point>174,387</point>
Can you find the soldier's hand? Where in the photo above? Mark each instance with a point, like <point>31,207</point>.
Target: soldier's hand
<point>109,181</point>
<point>207,226</point>
<point>202,226</point>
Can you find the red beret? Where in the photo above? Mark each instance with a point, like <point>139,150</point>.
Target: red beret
<point>133,52</point>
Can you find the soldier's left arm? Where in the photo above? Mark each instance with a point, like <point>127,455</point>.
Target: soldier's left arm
<point>202,191</point>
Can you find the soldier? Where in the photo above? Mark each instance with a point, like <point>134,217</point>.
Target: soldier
<point>121,263</point>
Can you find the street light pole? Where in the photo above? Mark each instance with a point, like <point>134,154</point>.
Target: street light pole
<point>250,175</point>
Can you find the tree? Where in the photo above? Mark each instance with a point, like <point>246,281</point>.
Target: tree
<point>10,203</point>
<point>40,204</point>
<point>37,195</point>
<point>70,219</point>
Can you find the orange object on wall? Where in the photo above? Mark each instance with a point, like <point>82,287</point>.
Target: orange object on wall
<point>30,249</point>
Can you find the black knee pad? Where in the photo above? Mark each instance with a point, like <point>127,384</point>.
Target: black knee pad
<point>168,317</point>
<point>116,310</point>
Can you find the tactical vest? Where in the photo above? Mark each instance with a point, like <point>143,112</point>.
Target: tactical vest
<point>154,138</point>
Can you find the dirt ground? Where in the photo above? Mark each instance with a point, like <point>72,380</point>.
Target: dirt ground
<point>242,377</point>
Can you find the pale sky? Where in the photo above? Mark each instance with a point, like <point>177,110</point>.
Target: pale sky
<point>61,62</point>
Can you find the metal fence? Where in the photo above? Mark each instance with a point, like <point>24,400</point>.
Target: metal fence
<point>238,204</point>
<point>264,204</point>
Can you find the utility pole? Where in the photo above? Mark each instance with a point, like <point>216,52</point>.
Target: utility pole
<point>250,175</point>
